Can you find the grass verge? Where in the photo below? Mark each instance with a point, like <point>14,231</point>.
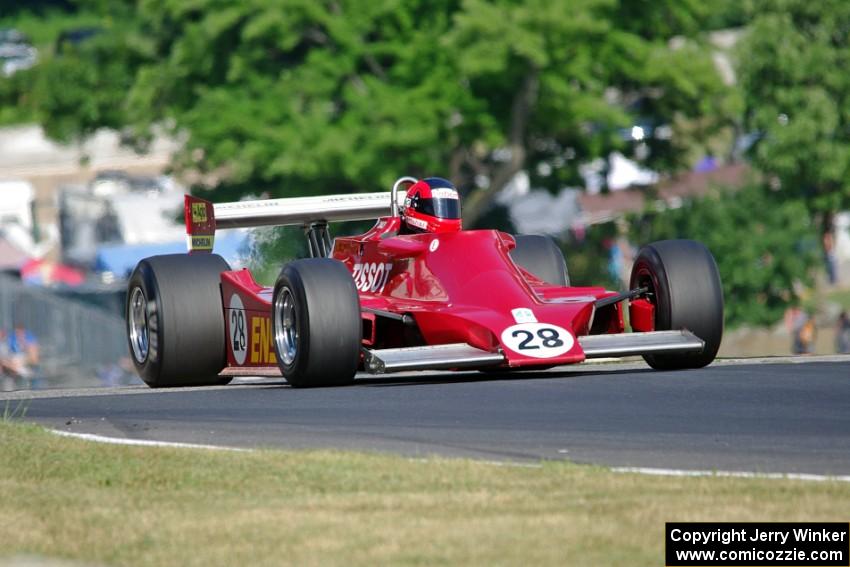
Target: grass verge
<point>70,499</point>
<point>841,297</point>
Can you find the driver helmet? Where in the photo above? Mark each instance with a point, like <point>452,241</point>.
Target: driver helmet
<point>432,205</point>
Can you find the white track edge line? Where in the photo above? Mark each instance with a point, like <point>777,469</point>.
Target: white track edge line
<point>142,442</point>
<point>626,470</point>
<point>732,474</point>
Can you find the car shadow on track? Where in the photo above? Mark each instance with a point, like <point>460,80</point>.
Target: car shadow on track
<point>469,377</point>
<point>436,378</point>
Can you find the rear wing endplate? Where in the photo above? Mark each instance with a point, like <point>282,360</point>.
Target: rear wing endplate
<point>200,224</point>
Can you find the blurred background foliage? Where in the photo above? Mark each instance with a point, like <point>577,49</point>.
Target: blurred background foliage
<point>297,96</point>
<point>292,97</point>
<point>797,97</point>
<point>764,247</point>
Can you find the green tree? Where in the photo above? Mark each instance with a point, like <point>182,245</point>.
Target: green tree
<point>559,80</point>
<point>83,89</point>
<point>299,96</point>
<point>15,96</point>
<point>765,248</point>
<point>792,70</point>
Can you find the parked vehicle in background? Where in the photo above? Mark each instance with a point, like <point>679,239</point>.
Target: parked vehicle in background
<point>16,51</point>
<point>117,219</point>
<point>117,208</point>
<point>16,204</point>
<point>17,221</point>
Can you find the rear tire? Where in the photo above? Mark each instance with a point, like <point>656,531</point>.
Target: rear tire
<point>316,323</point>
<point>542,257</point>
<point>175,320</point>
<point>685,285</point>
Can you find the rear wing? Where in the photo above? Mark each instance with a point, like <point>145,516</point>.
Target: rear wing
<point>313,213</point>
<point>302,210</point>
<point>203,218</point>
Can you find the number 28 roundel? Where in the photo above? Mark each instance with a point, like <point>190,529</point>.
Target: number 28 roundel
<point>538,340</point>
<point>237,329</point>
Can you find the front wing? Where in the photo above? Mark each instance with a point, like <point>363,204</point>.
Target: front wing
<point>461,355</point>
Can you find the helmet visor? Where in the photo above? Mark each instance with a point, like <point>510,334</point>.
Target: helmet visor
<point>440,208</point>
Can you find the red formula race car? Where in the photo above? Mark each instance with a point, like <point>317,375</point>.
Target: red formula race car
<point>406,295</point>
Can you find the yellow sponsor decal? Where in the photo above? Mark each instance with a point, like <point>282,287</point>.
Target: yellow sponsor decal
<point>199,212</point>
<point>202,242</point>
<point>262,351</point>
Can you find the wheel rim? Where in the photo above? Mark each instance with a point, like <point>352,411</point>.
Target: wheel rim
<point>645,277</point>
<point>138,323</point>
<point>285,330</point>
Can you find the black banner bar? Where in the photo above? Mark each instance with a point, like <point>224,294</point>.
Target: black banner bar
<point>744,544</point>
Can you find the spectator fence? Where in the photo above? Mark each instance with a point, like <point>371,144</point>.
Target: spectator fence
<point>75,340</point>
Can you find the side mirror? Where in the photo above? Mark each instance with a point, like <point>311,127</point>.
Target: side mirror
<point>402,247</point>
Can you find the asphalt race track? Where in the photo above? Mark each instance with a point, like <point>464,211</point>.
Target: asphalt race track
<point>787,417</point>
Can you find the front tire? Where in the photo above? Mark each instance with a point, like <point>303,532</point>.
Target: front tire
<point>316,323</point>
<point>685,285</point>
<point>175,320</point>
<point>542,257</point>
